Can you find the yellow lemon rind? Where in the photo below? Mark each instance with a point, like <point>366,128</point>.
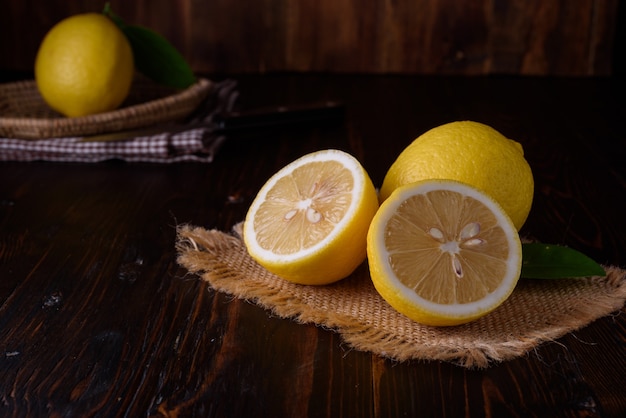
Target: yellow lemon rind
<point>342,251</point>
<point>403,299</point>
<point>472,153</point>
<point>84,65</point>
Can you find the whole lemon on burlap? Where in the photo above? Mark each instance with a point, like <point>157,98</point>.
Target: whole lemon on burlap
<point>84,65</point>
<point>472,153</point>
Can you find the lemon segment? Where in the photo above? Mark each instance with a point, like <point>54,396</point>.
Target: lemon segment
<point>308,223</point>
<point>442,252</point>
<point>84,65</point>
<point>472,153</point>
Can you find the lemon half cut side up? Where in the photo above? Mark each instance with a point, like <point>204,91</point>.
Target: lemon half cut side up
<point>442,252</point>
<point>308,223</point>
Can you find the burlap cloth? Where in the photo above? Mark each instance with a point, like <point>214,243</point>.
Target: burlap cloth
<point>537,311</point>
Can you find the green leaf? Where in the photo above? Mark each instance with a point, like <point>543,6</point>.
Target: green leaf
<point>154,56</point>
<point>543,261</point>
<point>157,59</point>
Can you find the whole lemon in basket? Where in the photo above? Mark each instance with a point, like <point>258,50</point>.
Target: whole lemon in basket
<point>472,153</point>
<point>84,65</point>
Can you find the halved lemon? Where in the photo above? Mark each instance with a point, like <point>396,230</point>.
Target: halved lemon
<point>443,253</point>
<point>308,224</point>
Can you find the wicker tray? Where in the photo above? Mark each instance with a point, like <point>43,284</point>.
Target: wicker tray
<point>24,114</point>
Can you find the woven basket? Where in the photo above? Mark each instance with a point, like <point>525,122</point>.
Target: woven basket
<point>24,114</point>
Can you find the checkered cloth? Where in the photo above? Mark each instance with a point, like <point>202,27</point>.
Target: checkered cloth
<point>196,144</point>
<point>199,144</point>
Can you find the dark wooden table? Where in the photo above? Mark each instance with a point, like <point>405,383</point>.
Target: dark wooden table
<point>97,318</point>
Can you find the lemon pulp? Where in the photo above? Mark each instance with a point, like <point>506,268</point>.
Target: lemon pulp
<point>308,223</point>
<point>309,202</point>
<point>443,253</point>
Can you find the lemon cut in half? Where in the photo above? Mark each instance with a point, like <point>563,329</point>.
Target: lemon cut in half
<point>308,224</point>
<point>443,253</point>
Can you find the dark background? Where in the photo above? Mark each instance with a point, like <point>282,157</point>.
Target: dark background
<point>467,37</point>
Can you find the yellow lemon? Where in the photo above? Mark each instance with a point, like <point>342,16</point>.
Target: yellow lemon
<point>84,65</point>
<point>472,153</point>
<point>308,223</point>
<point>442,252</point>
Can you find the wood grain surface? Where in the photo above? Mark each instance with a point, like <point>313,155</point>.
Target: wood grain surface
<point>97,319</point>
<point>535,37</point>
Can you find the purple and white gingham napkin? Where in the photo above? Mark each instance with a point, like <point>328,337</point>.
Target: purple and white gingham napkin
<point>199,144</point>
<point>196,144</point>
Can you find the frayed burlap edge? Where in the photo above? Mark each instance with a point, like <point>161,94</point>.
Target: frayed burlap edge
<point>537,311</point>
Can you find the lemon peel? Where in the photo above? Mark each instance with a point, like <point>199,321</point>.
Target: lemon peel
<point>84,65</point>
<point>472,153</point>
<point>443,253</point>
<point>308,223</point>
